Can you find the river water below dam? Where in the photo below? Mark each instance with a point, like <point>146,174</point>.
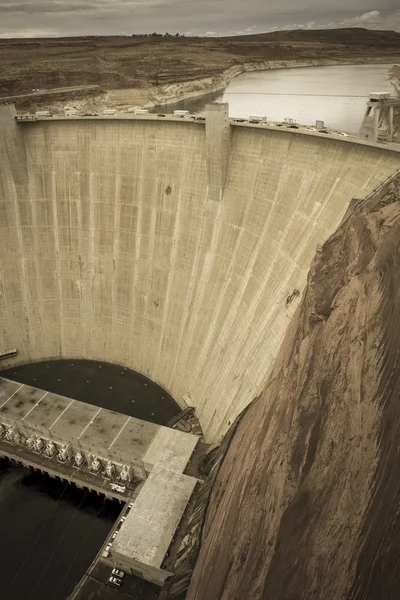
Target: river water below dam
<point>336,95</point>
<point>51,531</point>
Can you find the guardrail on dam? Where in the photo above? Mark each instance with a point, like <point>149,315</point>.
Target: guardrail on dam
<point>175,249</point>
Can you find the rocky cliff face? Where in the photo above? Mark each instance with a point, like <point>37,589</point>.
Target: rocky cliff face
<point>306,504</point>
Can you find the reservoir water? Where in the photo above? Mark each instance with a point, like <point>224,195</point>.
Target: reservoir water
<point>336,95</point>
<point>50,531</point>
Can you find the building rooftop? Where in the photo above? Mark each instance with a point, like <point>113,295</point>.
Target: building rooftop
<point>96,430</point>
<point>151,524</point>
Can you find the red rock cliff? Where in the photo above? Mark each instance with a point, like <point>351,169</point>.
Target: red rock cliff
<point>307,502</point>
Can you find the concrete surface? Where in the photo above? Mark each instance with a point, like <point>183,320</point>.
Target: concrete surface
<point>113,249</point>
<point>11,137</point>
<point>147,532</point>
<point>218,135</point>
<point>171,447</point>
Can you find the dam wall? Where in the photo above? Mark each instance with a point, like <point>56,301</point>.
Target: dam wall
<point>113,248</point>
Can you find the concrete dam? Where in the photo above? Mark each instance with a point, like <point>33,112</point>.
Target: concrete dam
<point>179,249</point>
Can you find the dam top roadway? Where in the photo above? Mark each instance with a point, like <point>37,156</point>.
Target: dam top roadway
<point>296,128</point>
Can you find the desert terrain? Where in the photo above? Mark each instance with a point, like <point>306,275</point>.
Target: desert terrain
<point>128,72</point>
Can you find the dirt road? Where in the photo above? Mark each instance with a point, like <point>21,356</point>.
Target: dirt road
<point>64,90</point>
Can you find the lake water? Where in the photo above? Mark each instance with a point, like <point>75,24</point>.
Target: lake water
<point>51,531</point>
<point>335,95</point>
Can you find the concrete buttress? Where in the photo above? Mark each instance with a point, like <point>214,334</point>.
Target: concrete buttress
<point>217,148</point>
<point>11,137</point>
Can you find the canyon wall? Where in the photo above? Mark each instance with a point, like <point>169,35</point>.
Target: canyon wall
<point>306,503</point>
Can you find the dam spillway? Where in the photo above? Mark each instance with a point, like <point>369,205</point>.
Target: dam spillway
<point>114,246</point>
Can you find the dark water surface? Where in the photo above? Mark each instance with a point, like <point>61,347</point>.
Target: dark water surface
<point>51,531</point>
<point>101,384</point>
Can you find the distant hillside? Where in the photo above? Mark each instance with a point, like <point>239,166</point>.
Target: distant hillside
<point>144,65</point>
<point>348,36</point>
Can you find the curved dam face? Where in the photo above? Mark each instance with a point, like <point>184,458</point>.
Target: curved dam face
<point>115,247</point>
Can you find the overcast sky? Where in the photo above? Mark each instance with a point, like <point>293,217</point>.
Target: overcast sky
<point>31,18</point>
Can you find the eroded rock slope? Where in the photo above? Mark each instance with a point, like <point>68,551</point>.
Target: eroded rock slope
<point>307,502</point>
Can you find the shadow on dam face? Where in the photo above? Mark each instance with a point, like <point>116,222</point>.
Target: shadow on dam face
<point>114,249</point>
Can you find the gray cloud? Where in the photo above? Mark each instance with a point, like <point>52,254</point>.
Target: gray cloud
<point>30,8</point>
<point>25,18</point>
<point>372,20</point>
